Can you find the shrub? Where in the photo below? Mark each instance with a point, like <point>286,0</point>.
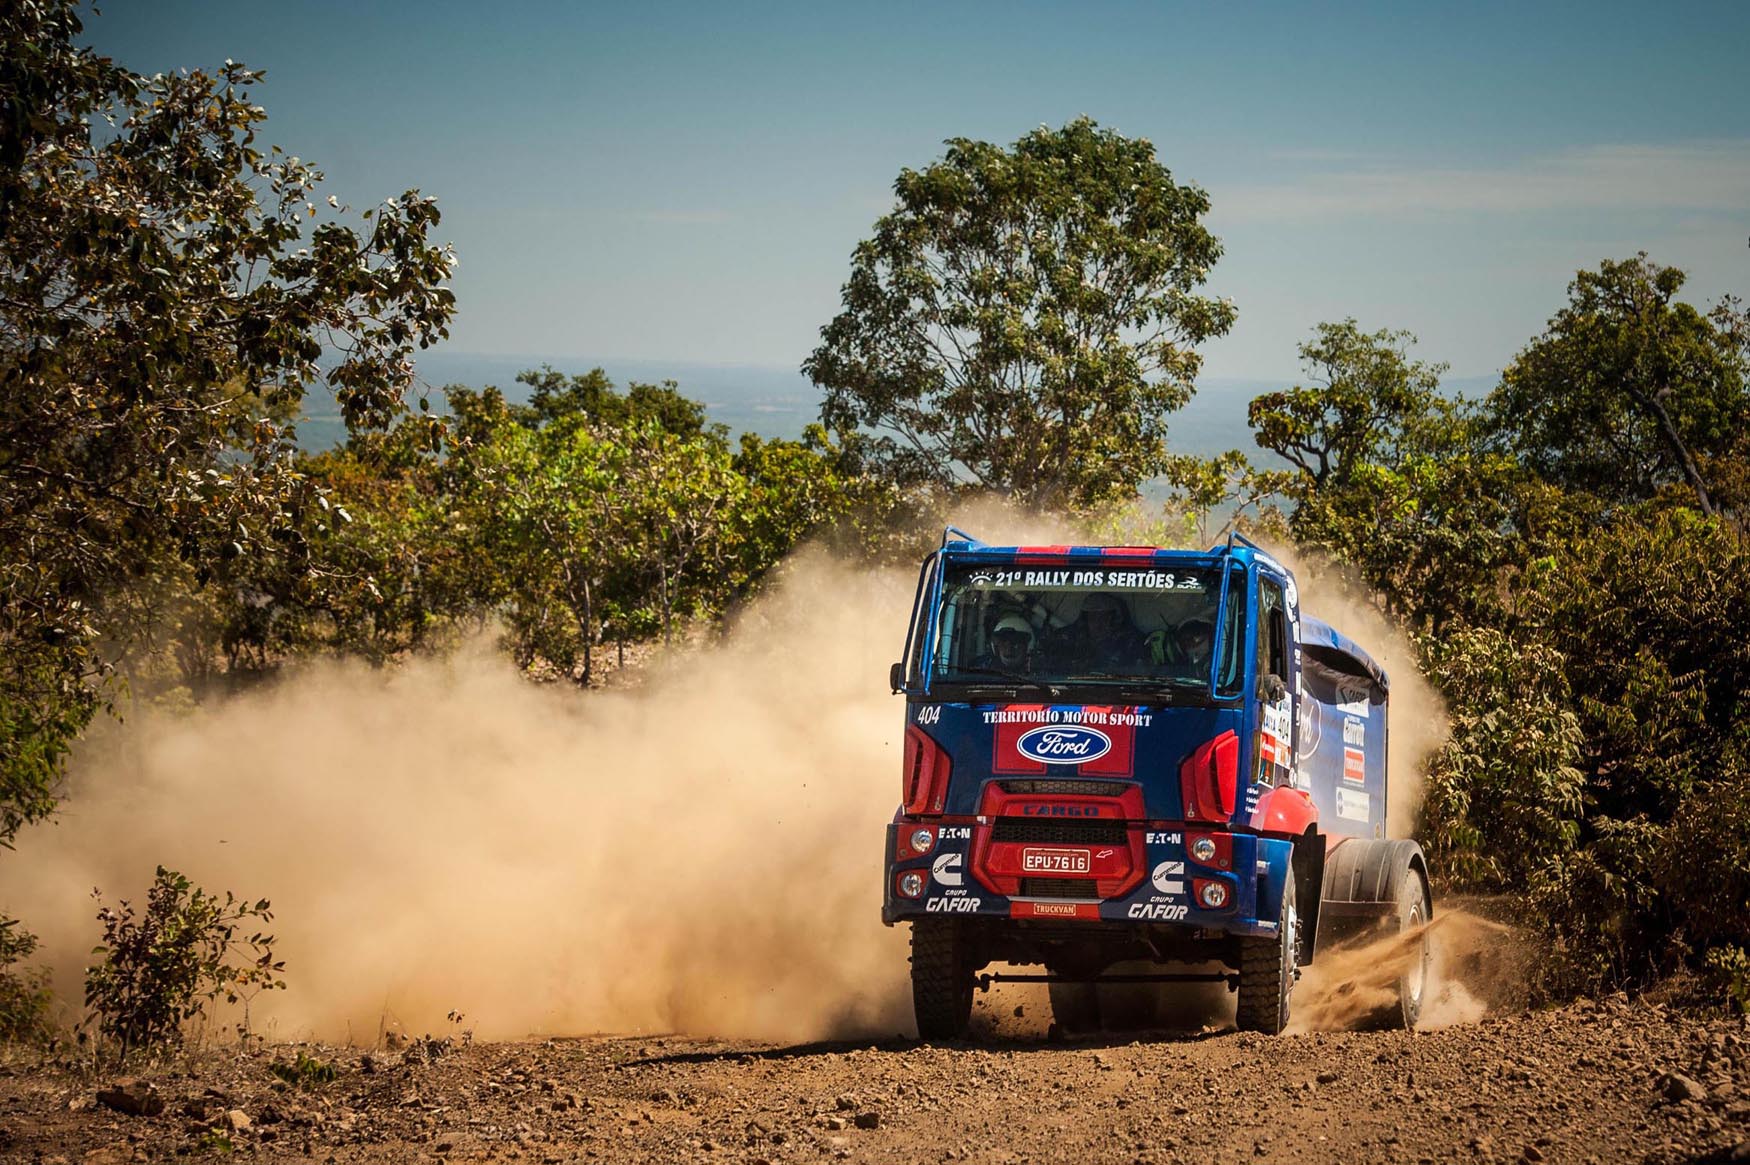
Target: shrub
<point>24,994</point>
<point>161,969</point>
<point>1504,796</point>
<point>304,1072</point>
<point>1729,970</point>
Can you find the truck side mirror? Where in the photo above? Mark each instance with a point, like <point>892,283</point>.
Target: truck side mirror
<point>1271,688</point>
<point>896,677</point>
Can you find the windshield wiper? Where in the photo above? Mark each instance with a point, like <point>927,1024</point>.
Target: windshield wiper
<point>1014,677</point>
<point>1156,685</point>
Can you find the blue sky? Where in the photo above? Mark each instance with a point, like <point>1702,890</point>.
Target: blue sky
<point>685,182</point>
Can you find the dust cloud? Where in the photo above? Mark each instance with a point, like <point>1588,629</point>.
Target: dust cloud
<point>700,855</point>
<point>1418,723</point>
<point>1477,966</point>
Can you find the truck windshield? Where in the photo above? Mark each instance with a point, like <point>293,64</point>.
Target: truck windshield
<point>1098,624</point>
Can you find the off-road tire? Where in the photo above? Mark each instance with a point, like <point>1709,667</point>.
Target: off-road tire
<point>1075,1007</point>
<point>1410,912</point>
<point>1267,971</point>
<point>941,978</point>
<point>1414,912</point>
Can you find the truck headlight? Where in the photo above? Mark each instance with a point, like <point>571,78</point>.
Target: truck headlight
<point>1213,895</point>
<point>922,839</point>
<point>1203,848</point>
<point>911,883</point>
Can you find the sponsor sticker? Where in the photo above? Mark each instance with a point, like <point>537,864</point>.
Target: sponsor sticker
<point>1054,861</point>
<point>1158,911</point>
<point>1168,877</point>
<point>1354,805</point>
<point>947,869</point>
<point>1354,702</point>
<point>1355,766</point>
<point>1064,744</point>
<point>953,905</point>
<point>1124,580</point>
<point>1054,910</point>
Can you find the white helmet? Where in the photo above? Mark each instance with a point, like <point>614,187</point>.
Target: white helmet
<point>1013,623</point>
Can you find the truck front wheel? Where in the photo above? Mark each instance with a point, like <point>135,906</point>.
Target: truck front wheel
<point>941,978</point>
<point>1268,967</point>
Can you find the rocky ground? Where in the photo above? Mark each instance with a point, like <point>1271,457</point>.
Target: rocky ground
<point>1610,1081</point>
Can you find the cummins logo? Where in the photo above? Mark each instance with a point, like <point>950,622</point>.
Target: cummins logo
<point>1169,877</point>
<point>946,869</point>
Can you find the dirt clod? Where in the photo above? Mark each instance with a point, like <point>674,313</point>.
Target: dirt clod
<point>1679,1087</point>
<point>132,1096</point>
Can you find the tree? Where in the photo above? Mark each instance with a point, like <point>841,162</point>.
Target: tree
<point>168,292</point>
<point>1370,404</point>
<point>1024,320</point>
<point>592,399</point>
<point>1628,391</point>
<point>1390,477</point>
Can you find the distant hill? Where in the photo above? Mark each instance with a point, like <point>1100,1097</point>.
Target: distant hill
<point>778,402</point>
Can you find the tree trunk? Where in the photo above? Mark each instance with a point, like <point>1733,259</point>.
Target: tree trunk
<point>662,576</point>
<point>588,639</point>
<point>1679,450</point>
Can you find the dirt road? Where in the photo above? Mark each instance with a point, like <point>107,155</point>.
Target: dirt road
<point>1606,1082</point>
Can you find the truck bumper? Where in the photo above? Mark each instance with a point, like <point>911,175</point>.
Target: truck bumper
<point>1254,876</point>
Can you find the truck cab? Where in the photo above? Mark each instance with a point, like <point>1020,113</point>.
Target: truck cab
<point>1122,754</point>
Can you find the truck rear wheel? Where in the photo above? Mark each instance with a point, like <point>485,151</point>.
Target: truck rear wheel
<point>941,978</point>
<point>1267,971</point>
<point>1413,914</point>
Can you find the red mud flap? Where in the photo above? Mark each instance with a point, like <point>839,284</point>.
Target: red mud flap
<point>1055,910</point>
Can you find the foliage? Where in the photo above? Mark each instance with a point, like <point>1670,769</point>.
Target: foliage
<point>25,997</point>
<point>1503,795</point>
<point>1370,406</point>
<point>1628,391</point>
<point>168,292</point>
<point>1024,320</point>
<point>1704,874</point>
<point>215,1141</point>
<point>1229,485</point>
<point>160,969</point>
<point>304,1072</point>
<point>1568,550</point>
<point>1729,968</point>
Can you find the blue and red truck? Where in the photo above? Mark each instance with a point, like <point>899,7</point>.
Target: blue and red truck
<point>1119,756</point>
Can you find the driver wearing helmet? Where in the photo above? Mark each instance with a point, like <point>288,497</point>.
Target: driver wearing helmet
<point>1011,645</point>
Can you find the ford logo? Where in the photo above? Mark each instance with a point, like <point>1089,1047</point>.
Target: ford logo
<point>1063,744</point>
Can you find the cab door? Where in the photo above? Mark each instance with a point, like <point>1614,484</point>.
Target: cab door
<point>1274,668</point>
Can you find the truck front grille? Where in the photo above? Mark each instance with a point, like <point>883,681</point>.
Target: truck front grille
<point>1058,888</point>
<point>1059,831</point>
<point>1066,788</point>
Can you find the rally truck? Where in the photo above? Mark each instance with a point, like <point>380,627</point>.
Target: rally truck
<point>1125,764</point>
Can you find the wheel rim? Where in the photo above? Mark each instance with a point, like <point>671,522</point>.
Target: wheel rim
<point>1290,949</point>
<point>1417,976</point>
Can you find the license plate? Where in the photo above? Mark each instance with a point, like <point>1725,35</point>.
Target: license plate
<point>1054,861</point>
